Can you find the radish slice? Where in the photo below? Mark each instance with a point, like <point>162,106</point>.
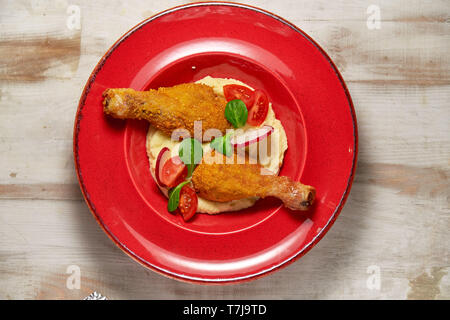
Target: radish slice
<point>163,156</point>
<point>251,136</point>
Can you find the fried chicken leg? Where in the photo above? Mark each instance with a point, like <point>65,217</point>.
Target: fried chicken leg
<point>216,180</point>
<point>169,108</point>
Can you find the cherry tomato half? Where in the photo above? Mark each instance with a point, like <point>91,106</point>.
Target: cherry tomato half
<point>174,172</point>
<point>234,91</point>
<point>188,202</point>
<point>258,112</point>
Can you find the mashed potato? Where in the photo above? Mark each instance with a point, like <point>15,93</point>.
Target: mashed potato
<point>156,140</point>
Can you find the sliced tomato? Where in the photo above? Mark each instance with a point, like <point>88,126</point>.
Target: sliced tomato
<point>258,112</point>
<point>174,171</point>
<point>188,202</point>
<point>234,91</point>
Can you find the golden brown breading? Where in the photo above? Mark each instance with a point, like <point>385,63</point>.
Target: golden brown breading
<point>216,180</point>
<point>169,108</point>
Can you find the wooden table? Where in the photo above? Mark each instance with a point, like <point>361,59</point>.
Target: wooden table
<point>390,241</point>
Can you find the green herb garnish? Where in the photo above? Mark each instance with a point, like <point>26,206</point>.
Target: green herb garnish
<point>236,113</point>
<point>174,196</point>
<point>191,153</point>
<point>222,144</point>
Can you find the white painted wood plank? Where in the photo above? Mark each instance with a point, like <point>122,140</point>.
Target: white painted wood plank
<point>403,240</point>
<point>397,125</point>
<point>411,44</point>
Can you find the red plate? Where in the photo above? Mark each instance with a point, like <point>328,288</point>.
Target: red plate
<point>222,40</point>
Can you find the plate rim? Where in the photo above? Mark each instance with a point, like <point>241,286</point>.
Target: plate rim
<point>217,280</point>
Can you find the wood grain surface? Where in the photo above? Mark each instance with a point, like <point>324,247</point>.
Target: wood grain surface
<point>395,224</point>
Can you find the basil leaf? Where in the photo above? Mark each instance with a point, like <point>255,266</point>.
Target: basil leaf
<point>191,153</point>
<point>236,113</point>
<point>222,144</point>
<point>174,196</point>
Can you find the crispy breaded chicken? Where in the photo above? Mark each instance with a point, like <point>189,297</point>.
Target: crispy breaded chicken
<point>216,180</point>
<point>169,108</point>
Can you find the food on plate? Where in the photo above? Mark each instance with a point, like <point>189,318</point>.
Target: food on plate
<point>188,202</point>
<point>236,91</point>
<point>216,180</point>
<point>258,112</point>
<point>171,108</point>
<point>226,169</point>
